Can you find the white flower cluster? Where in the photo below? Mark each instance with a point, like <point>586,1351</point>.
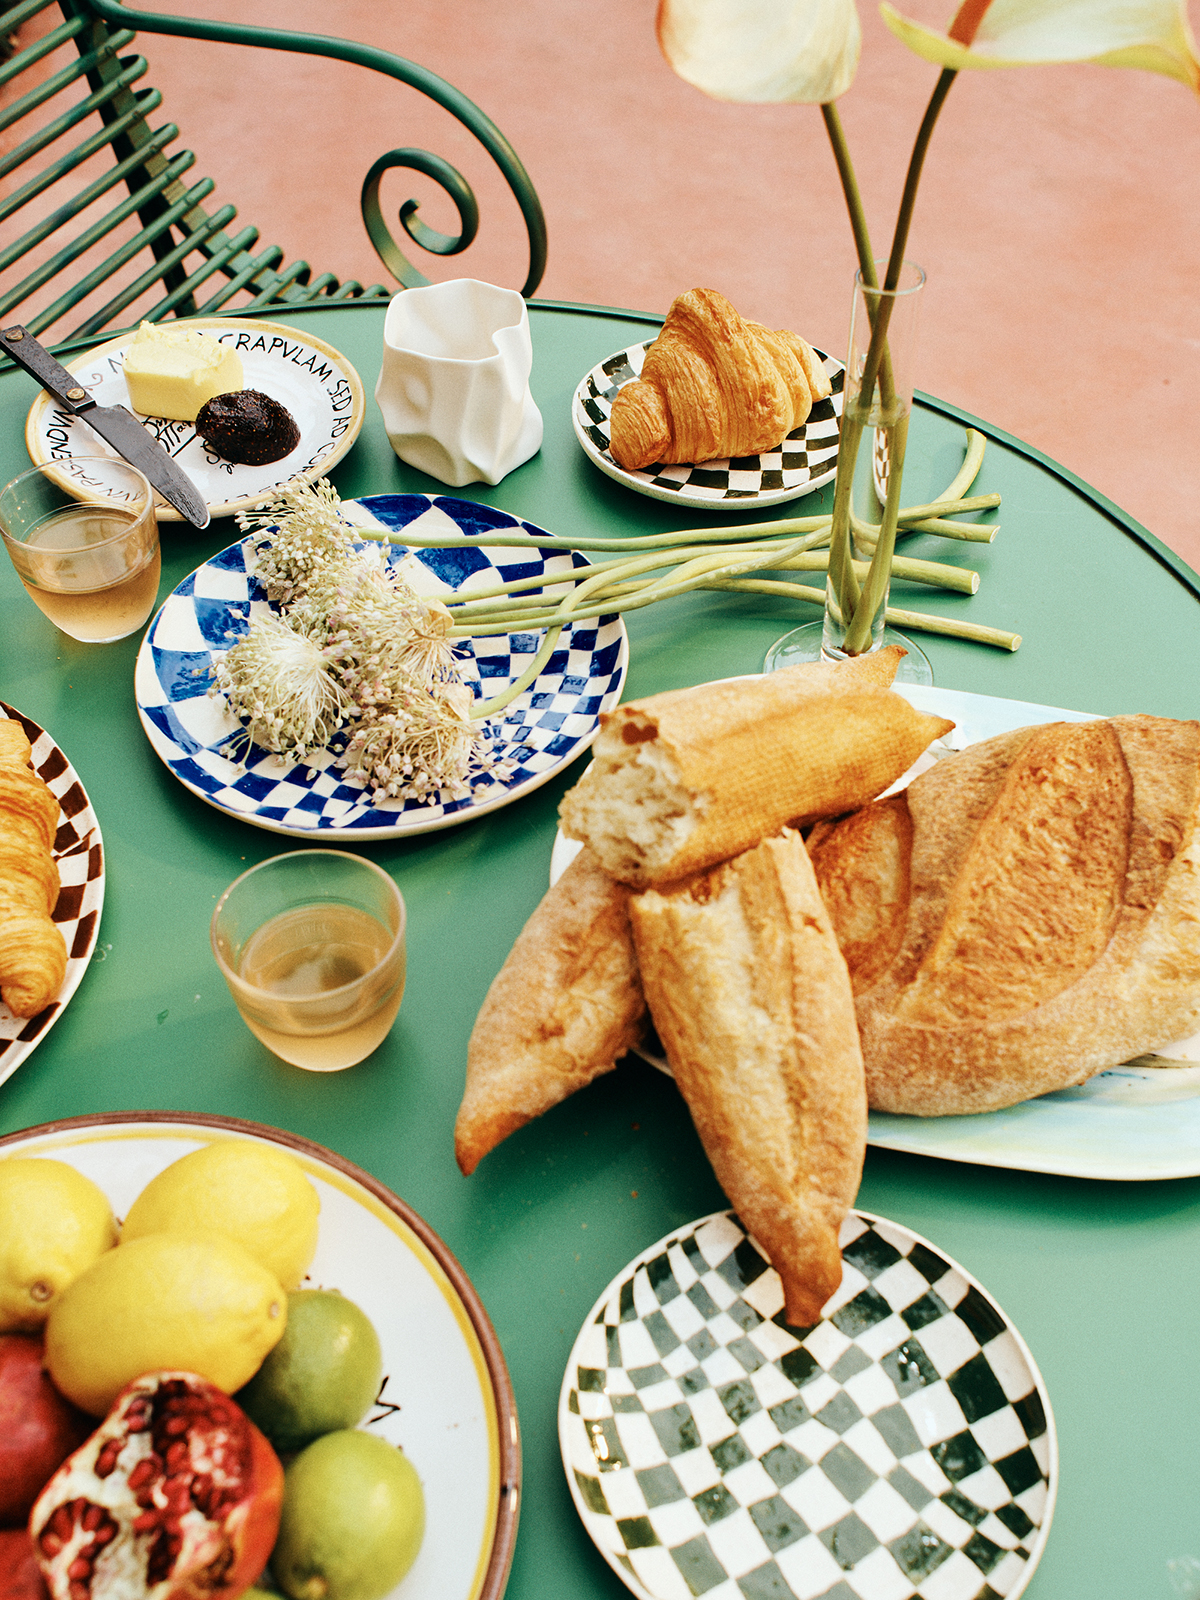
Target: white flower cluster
<point>351,647</point>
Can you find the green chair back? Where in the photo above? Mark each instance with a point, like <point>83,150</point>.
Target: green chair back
<point>92,245</point>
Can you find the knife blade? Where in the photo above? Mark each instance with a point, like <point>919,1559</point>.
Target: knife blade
<point>117,426</point>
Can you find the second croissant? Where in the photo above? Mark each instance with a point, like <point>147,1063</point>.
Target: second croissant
<point>714,385</point>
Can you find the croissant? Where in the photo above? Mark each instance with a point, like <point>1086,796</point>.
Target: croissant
<point>33,956</point>
<point>714,385</point>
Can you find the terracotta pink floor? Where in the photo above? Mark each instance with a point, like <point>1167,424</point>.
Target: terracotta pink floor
<point>1059,218</point>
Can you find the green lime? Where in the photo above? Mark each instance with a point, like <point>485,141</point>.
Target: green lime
<point>353,1519</point>
<point>322,1375</point>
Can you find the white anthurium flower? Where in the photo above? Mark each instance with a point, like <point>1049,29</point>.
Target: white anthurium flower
<point>763,51</point>
<point>1152,34</point>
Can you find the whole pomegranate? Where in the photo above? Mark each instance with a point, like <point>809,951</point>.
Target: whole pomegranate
<point>175,1495</point>
<point>20,1576</point>
<point>38,1428</point>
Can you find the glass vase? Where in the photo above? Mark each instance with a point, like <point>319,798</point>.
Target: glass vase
<point>874,432</point>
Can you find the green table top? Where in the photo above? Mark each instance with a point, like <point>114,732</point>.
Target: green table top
<point>1095,1275</point>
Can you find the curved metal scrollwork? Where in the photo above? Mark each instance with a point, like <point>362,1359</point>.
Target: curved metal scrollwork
<point>417,77</point>
<point>441,244</point>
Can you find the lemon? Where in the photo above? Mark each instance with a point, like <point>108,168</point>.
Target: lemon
<point>168,1302</point>
<point>322,1375</point>
<point>54,1222</point>
<point>353,1519</point>
<point>256,1193</point>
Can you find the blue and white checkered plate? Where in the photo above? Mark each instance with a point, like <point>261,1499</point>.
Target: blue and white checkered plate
<point>548,725</point>
<point>902,1449</point>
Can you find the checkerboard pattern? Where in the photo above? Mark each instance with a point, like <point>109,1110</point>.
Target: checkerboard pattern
<point>805,460</point>
<point>79,853</point>
<point>551,723</point>
<point>900,1450</point>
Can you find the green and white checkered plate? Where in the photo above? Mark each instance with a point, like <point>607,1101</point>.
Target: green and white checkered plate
<point>902,1449</point>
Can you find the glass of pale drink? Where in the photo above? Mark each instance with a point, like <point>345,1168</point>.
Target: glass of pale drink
<point>311,945</point>
<point>91,564</point>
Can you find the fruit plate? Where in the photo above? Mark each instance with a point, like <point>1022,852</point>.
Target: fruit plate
<point>446,1398</point>
<point>805,460</point>
<point>902,1448</point>
<point>79,854</point>
<point>313,380</point>
<point>1137,1121</point>
<point>554,720</point>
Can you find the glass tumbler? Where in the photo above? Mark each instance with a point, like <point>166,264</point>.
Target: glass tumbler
<point>91,565</point>
<point>312,947</point>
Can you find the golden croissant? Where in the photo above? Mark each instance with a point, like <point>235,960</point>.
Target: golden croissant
<point>33,956</point>
<point>714,385</point>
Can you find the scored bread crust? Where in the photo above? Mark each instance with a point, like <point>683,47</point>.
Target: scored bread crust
<point>1044,924</point>
<point>565,1006</point>
<point>751,999</point>
<point>681,781</point>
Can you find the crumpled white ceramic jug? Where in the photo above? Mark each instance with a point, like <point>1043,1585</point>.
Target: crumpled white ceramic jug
<point>454,385</point>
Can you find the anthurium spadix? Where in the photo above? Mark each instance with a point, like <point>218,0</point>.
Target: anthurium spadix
<point>1151,34</point>
<point>763,51</point>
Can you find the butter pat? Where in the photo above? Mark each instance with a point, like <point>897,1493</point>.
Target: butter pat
<point>171,371</point>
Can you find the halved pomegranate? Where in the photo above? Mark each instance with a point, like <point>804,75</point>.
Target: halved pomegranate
<point>176,1496</point>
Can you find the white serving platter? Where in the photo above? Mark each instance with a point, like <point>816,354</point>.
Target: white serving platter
<point>1131,1122</point>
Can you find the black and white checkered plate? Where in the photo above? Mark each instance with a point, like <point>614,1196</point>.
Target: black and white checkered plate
<point>903,1449</point>
<point>549,724</point>
<point>79,853</point>
<point>805,460</point>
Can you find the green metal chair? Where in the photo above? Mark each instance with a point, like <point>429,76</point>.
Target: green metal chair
<point>146,216</point>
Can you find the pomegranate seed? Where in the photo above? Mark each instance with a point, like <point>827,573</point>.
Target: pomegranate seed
<point>79,1590</point>
<point>106,1461</point>
<point>176,1425</point>
<point>144,1523</point>
<point>104,1535</point>
<point>50,1544</point>
<point>145,1472</point>
<point>92,1518</point>
<point>79,1568</point>
<point>62,1522</point>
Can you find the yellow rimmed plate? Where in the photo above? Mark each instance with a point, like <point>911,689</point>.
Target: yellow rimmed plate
<point>313,380</point>
<point>446,1397</point>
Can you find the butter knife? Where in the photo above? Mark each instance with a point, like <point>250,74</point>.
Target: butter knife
<point>117,426</point>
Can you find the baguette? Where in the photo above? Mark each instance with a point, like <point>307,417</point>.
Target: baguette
<point>565,1006</point>
<point>1023,915</point>
<point>684,780</point>
<point>751,999</point>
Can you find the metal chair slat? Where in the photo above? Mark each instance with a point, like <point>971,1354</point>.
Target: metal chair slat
<point>179,260</point>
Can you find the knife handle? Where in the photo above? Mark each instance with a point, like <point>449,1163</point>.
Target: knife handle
<point>20,344</point>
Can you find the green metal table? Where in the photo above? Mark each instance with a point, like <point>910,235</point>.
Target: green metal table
<point>1099,1277</point>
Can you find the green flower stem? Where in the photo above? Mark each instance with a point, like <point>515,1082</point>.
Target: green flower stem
<point>487,708</point>
<point>917,620</point>
<point>854,205</point>
<point>875,588</point>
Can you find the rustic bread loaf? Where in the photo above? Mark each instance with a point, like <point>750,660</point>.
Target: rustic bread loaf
<point>681,781</point>
<point>1023,915</point>
<point>564,1007</point>
<point>751,999</point>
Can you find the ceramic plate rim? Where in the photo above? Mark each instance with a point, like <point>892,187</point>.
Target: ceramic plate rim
<point>871,1218</point>
<point>403,830</point>
<point>166,513</point>
<point>17,1052</point>
<point>504,1407</point>
<point>694,502</point>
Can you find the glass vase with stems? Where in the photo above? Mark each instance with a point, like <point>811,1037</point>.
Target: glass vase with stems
<point>866,503</point>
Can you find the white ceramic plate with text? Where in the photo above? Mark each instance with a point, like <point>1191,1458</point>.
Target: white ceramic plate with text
<point>314,381</point>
